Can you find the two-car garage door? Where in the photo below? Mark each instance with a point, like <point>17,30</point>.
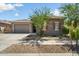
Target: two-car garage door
<point>21,28</point>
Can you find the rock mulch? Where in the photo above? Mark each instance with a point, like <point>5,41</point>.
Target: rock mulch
<point>15,48</point>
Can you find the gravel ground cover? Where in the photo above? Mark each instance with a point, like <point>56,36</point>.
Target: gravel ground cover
<point>15,48</point>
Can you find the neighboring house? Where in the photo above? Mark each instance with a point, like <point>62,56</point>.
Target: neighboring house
<point>5,26</point>
<point>52,27</point>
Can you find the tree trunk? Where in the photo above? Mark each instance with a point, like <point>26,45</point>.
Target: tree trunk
<point>71,45</point>
<point>37,31</point>
<point>77,46</point>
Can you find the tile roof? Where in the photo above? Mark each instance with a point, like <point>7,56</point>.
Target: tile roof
<point>57,17</point>
<point>5,21</point>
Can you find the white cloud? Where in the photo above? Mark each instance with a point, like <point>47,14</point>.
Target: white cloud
<point>16,14</point>
<point>57,12</point>
<point>4,6</point>
<point>18,5</point>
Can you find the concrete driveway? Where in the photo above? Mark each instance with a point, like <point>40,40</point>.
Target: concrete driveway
<point>7,40</point>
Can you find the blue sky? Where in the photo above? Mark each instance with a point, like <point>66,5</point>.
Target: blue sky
<point>16,11</point>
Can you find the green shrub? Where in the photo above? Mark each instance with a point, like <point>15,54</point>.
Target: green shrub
<point>65,30</point>
<point>77,33</point>
<point>72,33</point>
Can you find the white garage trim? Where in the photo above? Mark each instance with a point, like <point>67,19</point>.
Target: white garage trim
<point>30,28</point>
<point>12,27</point>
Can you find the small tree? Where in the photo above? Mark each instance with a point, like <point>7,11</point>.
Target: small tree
<point>39,17</point>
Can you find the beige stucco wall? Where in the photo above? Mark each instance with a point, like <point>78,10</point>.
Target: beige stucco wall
<point>50,28</point>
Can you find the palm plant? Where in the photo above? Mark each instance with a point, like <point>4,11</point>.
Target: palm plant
<point>71,14</point>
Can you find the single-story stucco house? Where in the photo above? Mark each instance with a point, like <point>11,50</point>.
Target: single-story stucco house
<point>53,27</point>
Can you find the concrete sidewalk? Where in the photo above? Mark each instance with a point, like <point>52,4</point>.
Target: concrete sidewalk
<point>57,41</point>
<point>51,41</point>
<point>40,54</point>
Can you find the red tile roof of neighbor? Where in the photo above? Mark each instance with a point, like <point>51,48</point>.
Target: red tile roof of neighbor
<point>4,21</point>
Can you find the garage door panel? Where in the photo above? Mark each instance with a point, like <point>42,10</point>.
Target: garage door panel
<point>21,28</point>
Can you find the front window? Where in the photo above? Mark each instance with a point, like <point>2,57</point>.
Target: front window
<point>56,26</point>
